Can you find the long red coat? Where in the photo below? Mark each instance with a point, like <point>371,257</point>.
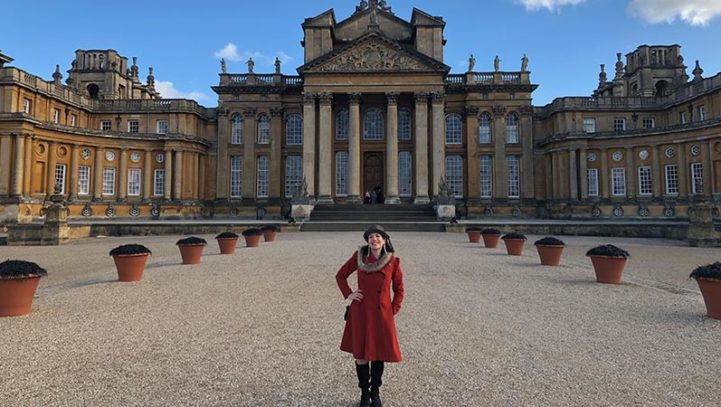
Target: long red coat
<point>370,330</point>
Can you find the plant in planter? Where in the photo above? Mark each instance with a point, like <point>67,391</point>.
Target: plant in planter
<point>490,237</point>
<point>514,242</point>
<point>191,248</point>
<point>252,237</point>
<point>708,278</point>
<point>227,242</point>
<point>550,250</point>
<point>130,261</point>
<point>608,263</point>
<point>269,232</point>
<point>474,234</point>
<point>18,281</point>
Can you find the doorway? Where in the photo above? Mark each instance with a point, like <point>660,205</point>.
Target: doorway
<point>373,175</point>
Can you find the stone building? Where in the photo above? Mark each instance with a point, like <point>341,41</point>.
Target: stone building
<point>373,108</point>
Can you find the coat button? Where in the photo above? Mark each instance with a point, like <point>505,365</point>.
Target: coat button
<point>379,307</point>
<point>379,291</point>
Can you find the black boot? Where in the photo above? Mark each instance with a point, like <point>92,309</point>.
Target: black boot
<point>364,376</point>
<point>376,382</point>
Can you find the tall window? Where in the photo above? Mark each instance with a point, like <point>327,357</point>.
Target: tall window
<point>648,123</point>
<point>512,128</point>
<point>405,177</point>
<point>159,182</point>
<point>261,190</point>
<point>702,113</point>
<point>56,116</point>
<point>589,125</point>
<point>236,176</point>
<point>341,173</point>
<point>108,181</point>
<point>684,117</point>
<point>592,177</point>
<point>618,181</point>
<point>404,124</point>
<point>697,178</point>
<point>671,172</point>
<point>514,176</point>
<point>486,175</point>
<point>27,105</point>
<point>134,181</point>
<point>484,128</point>
<point>453,128</point>
<point>60,176</point>
<point>106,125</point>
<point>341,124</point>
<point>644,181</point>
<point>373,124</point>
<point>73,120</point>
<point>293,174</point>
<point>83,180</point>
<point>294,129</point>
<point>236,129</point>
<point>263,129</point>
<point>454,175</point>
<point>619,124</point>
<point>162,127</point>
<point>133,126</point>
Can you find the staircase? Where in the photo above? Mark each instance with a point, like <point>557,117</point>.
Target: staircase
<point>357,217</point>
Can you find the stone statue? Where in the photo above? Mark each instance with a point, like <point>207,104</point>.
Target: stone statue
<point>524,63</point>
<point>384,6</point>
<point>277,65</point>
<point>497,64</point>
<point>223,67</point>
<point>251,65</point>
<point>302,189</point>
<point>443,187</point>
<point>362,6</point>
<point>471,63</point>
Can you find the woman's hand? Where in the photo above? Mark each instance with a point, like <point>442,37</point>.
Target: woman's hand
<point>356,295</point>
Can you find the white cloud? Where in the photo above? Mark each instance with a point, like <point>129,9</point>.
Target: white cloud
<point>693,12</point>
<point>551,5</point>
<point>263,62</point>
<point>229,52</point>
<point>168,91</point>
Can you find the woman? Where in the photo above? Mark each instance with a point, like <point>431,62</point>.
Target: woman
<point>370,329</point>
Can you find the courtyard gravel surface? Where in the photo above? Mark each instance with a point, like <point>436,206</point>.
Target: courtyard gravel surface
<point>262,327</point>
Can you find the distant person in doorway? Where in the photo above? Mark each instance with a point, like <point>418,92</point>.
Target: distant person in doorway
<point>374,196</point>
<point>367,197</point>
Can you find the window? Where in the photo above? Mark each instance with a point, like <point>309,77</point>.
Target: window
<point>27,106</point>
<point>514,176</point>
<point>648,123</point>
<point>618,181</point>
<point>512,128</point>
<point>454,175</point>
<point>453,128</point>
<point>619,124</point>
<point>162,127</point>
<point>404,124</point>
<point>294,129</point>
<point>373,124</point>
<point>261,190</point>
<point>236,176</point>
<point>263,129</point>
<point>671,179</point>
<point>644,181</point>
<point>159,183</point>
<point>592,178</point>
<point>684,117</point>
<point>484,128</point>
<point>133,181</point>
<point>106,125</point>
<point>702,113</point>
<point>236,129</point>
<point>60,177</point>
<point>293,174</point>
<point>341,173</point>
<point>56,116</point>
<point>405,177</point>
<point>589,125</point>
<point>73,120</point>
<point>697,178</point>
<point>108,181</point>
<point>486,175</point>
<point>133,126</point>
<point>341,124</point>
<point>83,180</point>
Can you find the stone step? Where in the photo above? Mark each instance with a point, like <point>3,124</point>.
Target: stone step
<point>361,226</point>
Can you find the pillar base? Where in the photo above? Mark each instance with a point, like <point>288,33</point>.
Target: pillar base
<point>421,200</point>
<point>325,200</point>
<point>393,200</point>
<point>354,199</point>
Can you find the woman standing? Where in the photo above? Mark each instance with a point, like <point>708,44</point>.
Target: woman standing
<point>370,329</point>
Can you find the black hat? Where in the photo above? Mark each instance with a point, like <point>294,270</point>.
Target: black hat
<point>375,229</point>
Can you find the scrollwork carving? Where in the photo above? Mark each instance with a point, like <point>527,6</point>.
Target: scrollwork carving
<point>372,56</point>
<point>472,110</point>
<point>499,110</point>
<point>325,98</point>
<point>276,112</point>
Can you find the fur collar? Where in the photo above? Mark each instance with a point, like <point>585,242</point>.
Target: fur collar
<point>364,252</point>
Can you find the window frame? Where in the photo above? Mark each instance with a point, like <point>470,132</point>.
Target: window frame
<point>84,179</point>
<point>589,122</point>
<point>237,122</point>
<point>135,181</point>
<point>619,124</point>
<point>294,129</point>
<point>159,182</point>
<point>618,179</point>
<point>293,174</point>
<point>697,178</point>
<point>454,129</point>
<point>488,119</point>
<point>162,126</point>
<point>485,175</point>
<point>405,175</point>
<point>236,176</point>
<point>592,180</point>
<point>513,182</point>
<point>341,173</point>
<point>671,181</point>
<point>61,171</point>
<point>263,133</point>
<point>342,129</point>
<point>109,125</point>
<point>651,120</point>
<point>645,181</point>
<point>373,130</point>
<point>405,124</point>
<point>133,126</point>
<point>513,130</point>
<point>262,173</point>
<point>109,181</point>
<point>454,174</point>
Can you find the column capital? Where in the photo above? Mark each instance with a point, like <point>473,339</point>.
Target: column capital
<point>438,97</point>
<point>392,98</point>
<point>249,111</point>
<point>498,110</point>
<point>472,110</point>
<point>354,98</point>
<point>308,98</point>
<point>421,97</point>
<point>525,110</point>
<point>276,112</point>
<point>325,98</point>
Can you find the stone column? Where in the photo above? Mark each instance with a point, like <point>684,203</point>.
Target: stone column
<point>178,175</point>
<point>473,176</point>
<point>325,149</point>
<point>630,174</point>
<point>354,155</point>
<point>439,140</point>
<point>582,170</point>
<point>5,164</point>
<point>201,176</point>
<point>276,185</point>
<point>98,174</point>
<point>27,180</point>
<point>222,169</point>
<point>50,171</point>
<point>18,173</point>
<point>707,167</point>
<point>656,172</point>
<point>392,169</point>
<point>683,178</point>
<point>572,175</point>
<point>147,175</point>
<point>123,178</point>
<point>604,173</point>
<point>527,170</point>
<point>555,179</point>
<point>249,170</point>
<point>421,148</point>
<point>168,180</point>
<point>309,142</point>
<point>548,164</point>
<point>500,185</point>
<point>74,172</point>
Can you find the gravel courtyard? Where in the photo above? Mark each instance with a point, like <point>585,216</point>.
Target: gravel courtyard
<point>262,327</point>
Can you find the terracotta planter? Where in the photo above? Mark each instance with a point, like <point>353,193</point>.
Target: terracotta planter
<point>252,241</point>
<point>191,253</point>
<point>711,291</point>
<point>514,247</point>
<point>474,236</point>
<point>491,241</point>
<point>130,266</point>
<point>269,235</point>
<point>227,244</point>
<point>16,295</point>
<point>608,269</point>
<point>550,255</point>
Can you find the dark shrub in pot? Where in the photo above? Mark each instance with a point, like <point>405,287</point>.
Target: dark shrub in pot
<point>19,280</point>
<point>550,250</point>
<point>130,261</point>
<point>514,242</point>
<point>608,263</point>
<point>191,248</point>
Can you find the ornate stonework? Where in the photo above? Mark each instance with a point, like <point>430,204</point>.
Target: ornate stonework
<point>373,56</point>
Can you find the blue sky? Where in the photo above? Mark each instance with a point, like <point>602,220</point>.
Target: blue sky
<point>565,40</point>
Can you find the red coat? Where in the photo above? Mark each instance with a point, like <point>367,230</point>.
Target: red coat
<point>370,330</point>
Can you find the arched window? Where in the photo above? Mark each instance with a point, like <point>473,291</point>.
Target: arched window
<point>93,91</point>
<point>484,128</point>
<point>404,124</point>
<point>341,124</point>
<point>512,128</point>
<point>263,129</point>
<point>373,124</point>
<point>236,129</point>
<point>453,128</point>
<point>294,129</point>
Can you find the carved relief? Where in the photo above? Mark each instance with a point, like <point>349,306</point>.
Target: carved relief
<point>421,97</point>
<point>276,112</point>
<point>325,98</point>
<point>499,110</point>
<point>392,98</point>
<point>308,98</point>
<point>372,56</point>
<point>437,97</point>
<point>354,97</point>
<point>526,110</point>
<point>472,110</point>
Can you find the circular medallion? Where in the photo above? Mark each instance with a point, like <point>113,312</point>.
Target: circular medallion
<point>87,211</point>
<point>596,211</point>
<point>643,154</point>
<point>40,149</point>
<point>109,155</point>
<point>643,211</point>
<point>85,154</point>
<point>695,150</point>
<point>669,152</point>
<point>62,151</point>
<point>488,211</point>
<point>516,211</point>
<point>155,211</point>
<point>617,156</point>
<point>134,211</point>
<point>591,157</point>
<point>109,211</point>
<point>618,211</point>
<point>135,157</point>
<point>669,211</point>
<point>160,157</point>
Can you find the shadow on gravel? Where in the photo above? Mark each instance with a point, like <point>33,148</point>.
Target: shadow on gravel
<point>679,317</point>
